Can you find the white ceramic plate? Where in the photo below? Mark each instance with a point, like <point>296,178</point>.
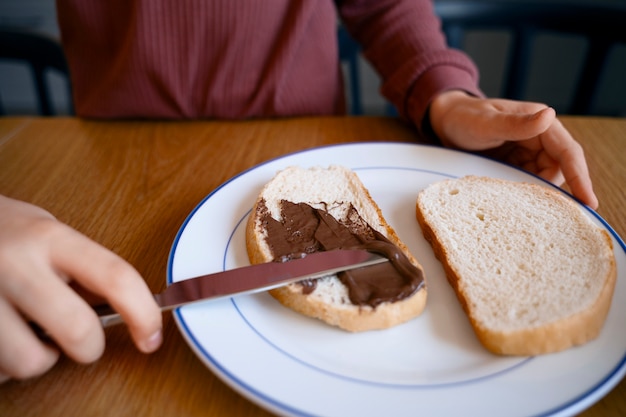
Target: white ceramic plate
<point>433,365</point>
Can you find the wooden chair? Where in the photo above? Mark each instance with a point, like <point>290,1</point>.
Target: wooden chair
<point>41,54</point>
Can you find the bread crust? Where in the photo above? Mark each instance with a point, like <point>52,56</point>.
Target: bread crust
<point>339,313</point>
<point>553,336</point>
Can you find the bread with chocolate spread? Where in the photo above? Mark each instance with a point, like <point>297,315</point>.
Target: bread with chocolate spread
<point>305,210</point>
<point>532,272</point>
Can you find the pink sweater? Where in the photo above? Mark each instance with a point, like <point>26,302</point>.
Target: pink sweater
<point>189,59</point>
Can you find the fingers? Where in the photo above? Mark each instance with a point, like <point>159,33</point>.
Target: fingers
<point>553,154</point>
<point>541,144</point>
<point>519,126</point>
<point>22,355</point>
<point>569,155</point>
<point>560,158</point>
<point>549,169</point>
<point>46,299</point>
<point>38,256</point>
<point>106,274</point>
<point>65,317</point>
<point>479,124</point>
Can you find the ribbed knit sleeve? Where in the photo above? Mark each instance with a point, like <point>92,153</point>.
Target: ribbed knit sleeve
<point>202,58</point>
<point>404,42</point>
<point>189,59</point>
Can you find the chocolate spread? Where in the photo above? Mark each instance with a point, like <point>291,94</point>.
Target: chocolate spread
<point>305,229</point>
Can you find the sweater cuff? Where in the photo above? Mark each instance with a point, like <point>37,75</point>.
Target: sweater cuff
<point>432,83</point>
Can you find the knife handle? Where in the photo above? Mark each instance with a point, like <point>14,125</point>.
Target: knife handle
<point>106,314</point>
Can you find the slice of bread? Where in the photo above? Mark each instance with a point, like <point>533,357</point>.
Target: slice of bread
<point>337,191</point>
<point>531,270</point>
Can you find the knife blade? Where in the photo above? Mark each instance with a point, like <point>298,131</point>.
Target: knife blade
<point>253,279</point>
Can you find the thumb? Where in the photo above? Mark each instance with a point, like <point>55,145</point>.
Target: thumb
<point>522,126</point>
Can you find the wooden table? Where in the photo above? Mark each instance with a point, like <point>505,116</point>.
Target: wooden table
<point>130,185</point>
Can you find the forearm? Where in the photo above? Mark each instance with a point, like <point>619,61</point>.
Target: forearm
<point>406,46</point>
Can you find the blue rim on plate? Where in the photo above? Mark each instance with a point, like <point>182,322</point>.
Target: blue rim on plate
<point>256,321</point>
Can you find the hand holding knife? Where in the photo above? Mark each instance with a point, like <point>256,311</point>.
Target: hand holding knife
<point>250,279</point>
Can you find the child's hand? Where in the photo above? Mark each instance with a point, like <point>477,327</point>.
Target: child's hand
<point>39,257</point>
<point>522,133</point>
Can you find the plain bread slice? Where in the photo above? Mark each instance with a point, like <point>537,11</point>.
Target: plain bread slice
<point>531,270</point>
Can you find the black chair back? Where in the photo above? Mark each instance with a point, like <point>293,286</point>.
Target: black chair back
<point>40,53</point>
<point>602,25</point>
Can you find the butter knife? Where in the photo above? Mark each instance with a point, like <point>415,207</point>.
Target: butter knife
<point>252,279</point>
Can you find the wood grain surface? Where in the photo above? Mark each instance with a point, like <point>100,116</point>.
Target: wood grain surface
<point>129,185</point>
